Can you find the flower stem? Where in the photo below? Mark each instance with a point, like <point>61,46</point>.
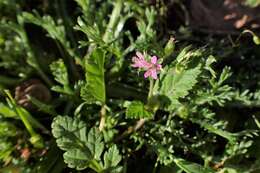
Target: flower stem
<point>150,94</point>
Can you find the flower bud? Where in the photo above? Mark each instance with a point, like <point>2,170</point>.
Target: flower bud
<point>169,47</point>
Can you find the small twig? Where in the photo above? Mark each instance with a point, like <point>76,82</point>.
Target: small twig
<point>139,124</point>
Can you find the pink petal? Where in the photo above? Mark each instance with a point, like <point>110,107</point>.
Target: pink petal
<point>140,55</point>
<point>135,61</point>
<point>154,60</point>
<point>153,73</point>
<point>159,67</point>
<point>147,74</point>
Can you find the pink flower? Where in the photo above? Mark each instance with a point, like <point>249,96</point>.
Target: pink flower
<point>139,61</point>
<point>151,68</point>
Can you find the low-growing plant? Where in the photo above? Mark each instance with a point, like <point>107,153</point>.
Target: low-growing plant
<point>125,95</point>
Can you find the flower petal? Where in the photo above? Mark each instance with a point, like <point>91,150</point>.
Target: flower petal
<point>147,74</point>
<point>159,67</point>
<point>154,60</point>
<point>140,55</point>
<point>153,73</point>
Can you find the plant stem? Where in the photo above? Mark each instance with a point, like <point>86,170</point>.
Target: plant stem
<point>139,124</point>
<point>95,166</point>
<point>35,139</point>
<point>113,20</point>
<point>150,94</point>
<point>19,113</point>
<point>102,117</point>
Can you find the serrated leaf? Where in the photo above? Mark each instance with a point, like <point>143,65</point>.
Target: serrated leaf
<point>47,22</point>
<point>92,32</point>
<point>94,67</point>
<point>76,158</point>
<point>69,133</point>
<point>137,110</point>
<point>225,134</point>
<point>111,160</point>
<point>60,72</point>
<point>95,143</point>
<point>112,157</point>
<point>175,84</point>
<point>55,30</point>
<point>81,150</point>
<point>190,167</point>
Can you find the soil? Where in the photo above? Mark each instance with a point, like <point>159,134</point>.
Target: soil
<point>223,16</point>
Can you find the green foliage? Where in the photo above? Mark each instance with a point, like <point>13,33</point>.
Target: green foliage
<point>176,84</point>
<point>137,110</point>
<point>190,167</point>
<point>200,116</point>
<point>95,90</point>
<point>252,3</point>
<point>60,74</point>
<point>82,149</point>
<point>54,30</point>
<point>112,159</point>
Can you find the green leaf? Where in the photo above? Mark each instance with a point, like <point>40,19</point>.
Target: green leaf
<point>85,5</point>
<point>190,167</point>
<point>76,158</point>
<point>7,112</point>
<point>95,87</point>
<point>82,150</point>
<point>69,132</point>
<point>256,40</point>
<point>7,129</point>
<point>49,109</point>
<point>60,72</point>
<point>137,110</point>
<point>47,22</point>
<point>177,84</point>
<point>91,31</point>
<point>213,129</point>
<point>210,60</point>
<point>55,30</point>
<point>95,143</point>
<point>112,159</point>
<point>6,149</point>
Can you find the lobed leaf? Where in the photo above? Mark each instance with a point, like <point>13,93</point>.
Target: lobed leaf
<point>190,167</point>
<point>137,110</point>
<point>95,87</point>
<point>112,159</point>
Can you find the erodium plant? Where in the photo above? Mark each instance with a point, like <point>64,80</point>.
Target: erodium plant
<point>124,99</point>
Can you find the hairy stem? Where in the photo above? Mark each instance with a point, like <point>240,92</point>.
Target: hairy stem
<point>139,124</point>
<point>102,117</point>
<point>113,20</point>
<point>20,114</point>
